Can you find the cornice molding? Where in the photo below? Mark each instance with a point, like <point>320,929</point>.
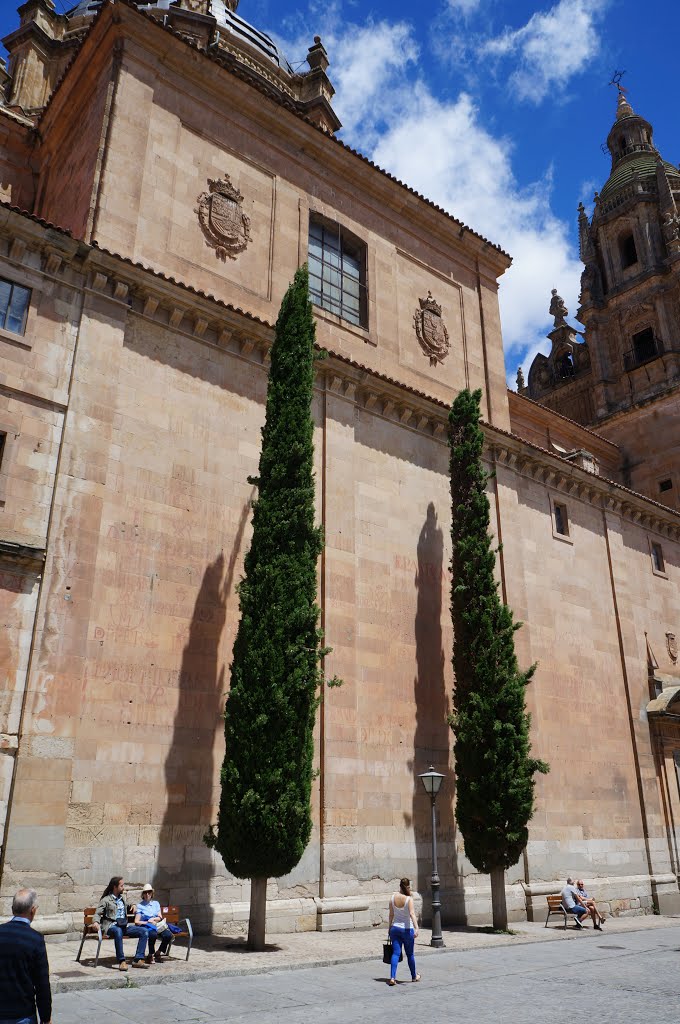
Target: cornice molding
<point>554,472</point>
<point>23,554</point>
<point>140,292</point>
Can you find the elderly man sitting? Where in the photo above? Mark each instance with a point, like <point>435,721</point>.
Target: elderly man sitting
<point>573,904</point>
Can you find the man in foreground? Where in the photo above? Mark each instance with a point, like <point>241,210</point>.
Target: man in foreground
<point>24,970</point>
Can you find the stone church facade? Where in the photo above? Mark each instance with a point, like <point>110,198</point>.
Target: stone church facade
<point>163,172</point>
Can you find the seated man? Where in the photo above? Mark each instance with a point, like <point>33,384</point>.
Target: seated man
<point>571,901</point>
<point>112,912</point>
<point>589,903</point>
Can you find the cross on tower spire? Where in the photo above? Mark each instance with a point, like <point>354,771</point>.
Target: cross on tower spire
<point>616,80</point>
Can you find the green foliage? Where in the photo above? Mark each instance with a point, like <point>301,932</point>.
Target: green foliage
<point>265,816</point>
<point>494,769</point>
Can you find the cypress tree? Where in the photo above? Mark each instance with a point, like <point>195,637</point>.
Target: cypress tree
<point>494,769</point>
<point>265,815</point>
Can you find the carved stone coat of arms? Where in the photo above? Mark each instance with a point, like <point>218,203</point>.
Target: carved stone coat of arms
<point>672,646</point>
<point>431,330</point>
<point>220,211</point>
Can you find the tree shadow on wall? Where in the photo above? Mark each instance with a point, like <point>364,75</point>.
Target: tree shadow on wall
<point>184,865</point>
<point>432,734</point>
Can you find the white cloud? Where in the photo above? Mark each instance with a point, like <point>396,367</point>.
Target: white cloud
<point>367,63</point>
<point>586,193</point>
<point>551,48</point>
<point>463,168</point>
<point>465,7</point>
<point>442,149</point>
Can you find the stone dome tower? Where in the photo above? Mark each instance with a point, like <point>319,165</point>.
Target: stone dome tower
<point>630,287</point>
<point>627,385</point>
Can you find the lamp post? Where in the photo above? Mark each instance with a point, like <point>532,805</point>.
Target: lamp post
<point>432,781</point>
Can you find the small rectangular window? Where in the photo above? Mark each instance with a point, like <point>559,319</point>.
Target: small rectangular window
<point>665,485</point>
<point>657,558</point>
<point>14,302</point>
<point>561,519</point>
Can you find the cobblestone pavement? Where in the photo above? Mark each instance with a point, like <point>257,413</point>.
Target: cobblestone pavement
<point>626,973</point>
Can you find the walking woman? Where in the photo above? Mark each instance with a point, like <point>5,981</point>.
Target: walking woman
<point>403,930</point>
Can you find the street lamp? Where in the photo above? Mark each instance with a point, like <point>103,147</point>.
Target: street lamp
<point>432,781</point>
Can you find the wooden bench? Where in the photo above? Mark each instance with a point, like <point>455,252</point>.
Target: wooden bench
<point>555,907</point>
<point>170,913</point>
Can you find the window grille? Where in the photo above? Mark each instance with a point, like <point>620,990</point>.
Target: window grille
<point>337,272</point>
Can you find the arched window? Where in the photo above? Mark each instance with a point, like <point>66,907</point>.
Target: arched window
<point>629,256</point>
<point>564,365</point>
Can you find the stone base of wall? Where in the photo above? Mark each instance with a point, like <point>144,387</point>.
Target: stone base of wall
<point>617,897</point>
<point>625,896</point>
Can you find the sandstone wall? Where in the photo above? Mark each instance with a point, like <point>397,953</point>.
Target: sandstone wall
<point>119,761</point>
<point>34,380</point>
<point>647,462</point>
<point>138,490</point>
<point>71,152</point>
<point>16,181</point>
<point>177,122</point>
<point>589,601</point>
<point>127,687</point>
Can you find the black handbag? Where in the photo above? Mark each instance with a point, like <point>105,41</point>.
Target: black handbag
<point>387,953</point>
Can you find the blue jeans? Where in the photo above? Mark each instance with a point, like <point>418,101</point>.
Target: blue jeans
<point>578,910</point>
<point>121,928</point>
<point>402,937</point>
<point>22,1020</point>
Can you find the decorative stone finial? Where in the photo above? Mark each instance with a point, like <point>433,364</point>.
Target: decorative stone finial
<point>520,379</point>
<point>585,241</point>
<point>317,56</point>
<point>558,310</point>
<point>623,107</point>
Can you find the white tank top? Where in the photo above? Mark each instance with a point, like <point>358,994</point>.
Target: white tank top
<point>402,915</point>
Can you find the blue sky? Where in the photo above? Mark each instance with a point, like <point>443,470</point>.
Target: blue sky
<point>495,109</point>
